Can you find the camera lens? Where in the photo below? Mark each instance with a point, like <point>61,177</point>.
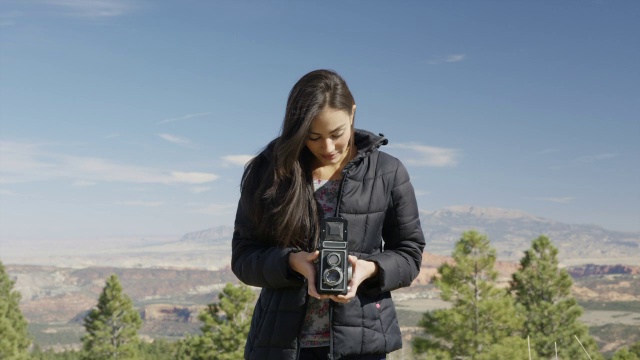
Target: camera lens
<point>333,259</point>
<point>332,276</point>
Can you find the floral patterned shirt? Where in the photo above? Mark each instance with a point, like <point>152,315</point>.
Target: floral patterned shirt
<point>316,327</point>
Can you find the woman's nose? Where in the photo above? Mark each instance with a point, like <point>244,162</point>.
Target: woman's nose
<point>328,145</point>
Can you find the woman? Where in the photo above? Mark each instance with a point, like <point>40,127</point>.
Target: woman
<point>321,166</point>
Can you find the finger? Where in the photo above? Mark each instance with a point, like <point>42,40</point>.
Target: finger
<point>353,260</point>
<point>311,289</point>
<point>311,280</point>
<point>301,262</point>
<point>313,255</point>
<point>340,299</point>
<point>351,292</point>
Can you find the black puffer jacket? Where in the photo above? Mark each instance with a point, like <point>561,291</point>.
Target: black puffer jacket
<point>378,200</point>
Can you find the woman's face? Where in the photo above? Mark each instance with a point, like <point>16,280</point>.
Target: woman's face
<point>329,136</point>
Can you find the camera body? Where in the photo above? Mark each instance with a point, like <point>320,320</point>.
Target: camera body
<point>333,269</point>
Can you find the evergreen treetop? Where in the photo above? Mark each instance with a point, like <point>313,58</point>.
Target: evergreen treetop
<point>112,326</point>
<point>225,327</point>
<point>482,315</point>
<point>543,298</point>
<point>14,336</point>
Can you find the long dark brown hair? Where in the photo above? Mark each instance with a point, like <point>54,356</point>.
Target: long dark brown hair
<point>277,186</point>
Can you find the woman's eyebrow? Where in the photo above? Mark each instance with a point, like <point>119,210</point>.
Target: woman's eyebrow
<point>341,127</point>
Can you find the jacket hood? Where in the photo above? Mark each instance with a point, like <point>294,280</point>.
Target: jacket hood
<point>366,142</point>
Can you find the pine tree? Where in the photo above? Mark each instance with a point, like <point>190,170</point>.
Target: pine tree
<point>39,354</point>
<point>187,348</point>
<point>159,349</point>
<point>112,326</point>
<point>512,348</point>
<point>625,354</point>
<point>14,336</point>
<point>482,315</point>
<point>543,297</point>
<point>225,329</point>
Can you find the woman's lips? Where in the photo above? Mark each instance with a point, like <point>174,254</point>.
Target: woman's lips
<point>330,156</point>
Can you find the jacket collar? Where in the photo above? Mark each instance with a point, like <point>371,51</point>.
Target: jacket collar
<point>367,142</point>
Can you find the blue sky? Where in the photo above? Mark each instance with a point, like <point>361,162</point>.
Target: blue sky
<point>133,118</point>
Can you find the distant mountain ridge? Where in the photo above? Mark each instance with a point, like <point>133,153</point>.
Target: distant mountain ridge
<point>511,232</point>
<point>221,234</point>
<point>487,213</point>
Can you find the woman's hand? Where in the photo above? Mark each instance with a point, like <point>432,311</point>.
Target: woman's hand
<point>362,270</point>
<point>304,264</point>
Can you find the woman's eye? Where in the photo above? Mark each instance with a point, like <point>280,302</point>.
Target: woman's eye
<point>314,139</point>
<point>336,135</point>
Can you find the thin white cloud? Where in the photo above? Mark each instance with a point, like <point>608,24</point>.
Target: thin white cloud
<point>22,162</point>
<point>593,158</point>
<point>138,189</point>
<point>239,160</point>
<point>83,183</point>
<point>175,139</point>
<point>93,8</point>
<point>185,117</point>
<point>7,192</point>
<point>452,58</point>
<point>199,189</point>
<point>584,160</point>
<point>422,155</point>
<point>141,203</point>
<point>217,209</point>
<point>193,177</point>
<point>560,200</point>
<point>112,136</point>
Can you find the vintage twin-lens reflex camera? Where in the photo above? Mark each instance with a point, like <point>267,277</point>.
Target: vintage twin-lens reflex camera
<point>334,270</point>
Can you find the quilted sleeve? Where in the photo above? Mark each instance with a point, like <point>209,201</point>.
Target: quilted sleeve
<point>399,263</point>
<point>256,262</point>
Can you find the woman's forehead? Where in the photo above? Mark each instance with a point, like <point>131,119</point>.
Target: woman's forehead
<point>330,120</point>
